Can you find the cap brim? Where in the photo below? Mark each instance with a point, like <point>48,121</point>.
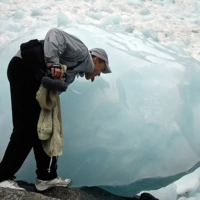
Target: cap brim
<point>107,69</point>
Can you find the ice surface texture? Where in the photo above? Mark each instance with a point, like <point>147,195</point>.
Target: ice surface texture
<point>137,128</point>
<point>139,123</point>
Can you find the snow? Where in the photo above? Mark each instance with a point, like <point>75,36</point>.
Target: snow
<point>136,129</point>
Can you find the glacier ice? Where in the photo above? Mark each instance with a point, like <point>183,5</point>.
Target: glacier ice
<point>134,2</point>
<point>63,20</point>
<point>135,129</point>
<point>19,14</point>
<point>144,11</point>
<point>37,12</point>
<point>150,33</point>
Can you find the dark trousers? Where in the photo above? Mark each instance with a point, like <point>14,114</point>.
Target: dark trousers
<point>25,113</point>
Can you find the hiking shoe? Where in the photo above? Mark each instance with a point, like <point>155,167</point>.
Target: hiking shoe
<point>10,184</point>
<point>44,185</point>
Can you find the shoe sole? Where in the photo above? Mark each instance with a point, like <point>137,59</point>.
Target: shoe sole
<point>13,188</point>
<point>42,190</point>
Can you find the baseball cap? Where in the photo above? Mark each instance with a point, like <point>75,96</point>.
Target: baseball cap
<point>100,53</point>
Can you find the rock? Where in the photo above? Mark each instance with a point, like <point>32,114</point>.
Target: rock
<point>194,31</point>
<point>60,193</point>
<point>10,194</point>
<point>57,193</point>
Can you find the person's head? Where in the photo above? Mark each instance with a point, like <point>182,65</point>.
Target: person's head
<point>100,60</point>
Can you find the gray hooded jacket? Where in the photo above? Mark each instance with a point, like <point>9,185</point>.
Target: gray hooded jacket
<point>61,47</point>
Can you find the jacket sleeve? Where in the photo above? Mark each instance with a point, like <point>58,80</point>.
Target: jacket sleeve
<point>54,45</point>
<point>58,44</point>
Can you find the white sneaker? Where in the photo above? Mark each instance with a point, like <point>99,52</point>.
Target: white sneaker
<point>10,184</point>
<point>44,185</point>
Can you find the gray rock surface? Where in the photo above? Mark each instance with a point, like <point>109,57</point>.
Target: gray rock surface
<point>57,193</point>
<point>10,194</point>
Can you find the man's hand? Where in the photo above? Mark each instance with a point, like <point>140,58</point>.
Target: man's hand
<point>55,72</point>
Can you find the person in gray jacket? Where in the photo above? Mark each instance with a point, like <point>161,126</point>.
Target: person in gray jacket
<point>59,48</point>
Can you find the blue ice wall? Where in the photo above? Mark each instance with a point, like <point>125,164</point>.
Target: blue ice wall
<point>139,123</point>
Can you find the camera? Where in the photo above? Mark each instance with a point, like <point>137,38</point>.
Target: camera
<point>54,66</point>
